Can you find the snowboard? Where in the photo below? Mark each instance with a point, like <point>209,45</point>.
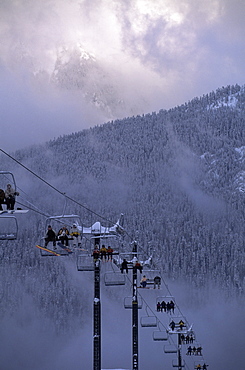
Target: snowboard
<point>48,250</point>
<point>64,247</point>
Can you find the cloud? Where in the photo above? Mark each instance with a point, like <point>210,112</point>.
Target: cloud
<point>169,51</point>
<point>32,115</point>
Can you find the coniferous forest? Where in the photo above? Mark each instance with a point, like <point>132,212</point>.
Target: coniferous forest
<point>178,177</point>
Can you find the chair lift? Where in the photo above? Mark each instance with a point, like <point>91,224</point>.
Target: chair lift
<point>107,240</point>
<point>85,262</point>
<point>199,363</point>
<point>148,321</point>
<point>131,256</point>
<point>56,222</point>
<point>7,177</point>
<point>160,334</point>
<point>170,348</point>
<point>150,275</point>
<point>113,278</point>
<point>8,228</point>
<point>179,329</point>
<point>175,363</point>
<point>166,298</point>
<point>128,304</point>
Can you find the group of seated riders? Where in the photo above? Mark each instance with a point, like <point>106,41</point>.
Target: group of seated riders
<point>63,236</point>
<point>104,253</point>
<point>8,197</point>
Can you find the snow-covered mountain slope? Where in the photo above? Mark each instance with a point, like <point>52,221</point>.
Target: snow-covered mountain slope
<point>178,175</point>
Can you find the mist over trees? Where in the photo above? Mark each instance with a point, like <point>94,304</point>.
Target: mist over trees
<point>176,175</point>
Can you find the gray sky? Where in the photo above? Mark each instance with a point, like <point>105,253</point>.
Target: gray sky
<point>168,51</point>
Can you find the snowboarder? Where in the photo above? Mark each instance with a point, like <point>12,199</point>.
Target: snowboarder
<point>50,236</point>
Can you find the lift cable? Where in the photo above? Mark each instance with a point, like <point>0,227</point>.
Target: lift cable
<point>158,320</point>
<point>54,188</point>
<point>33,209</point>
<point>83,206</point>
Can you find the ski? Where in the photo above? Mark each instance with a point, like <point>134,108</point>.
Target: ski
<point>47,250</point>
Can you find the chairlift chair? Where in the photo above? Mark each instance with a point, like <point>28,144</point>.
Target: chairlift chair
<point>160,335</point>
<point>7,177</point>
<point>200,362</point>
<point>166,298</point>
<point>175,363</point>
<point>148,321</point>
<point>177,330</point>
<point>85,262</point>
<point>131,256</point>
<point>61,220</point>
<point>150,275</point>
<point>57,222</point>
<point>8,228</point>
<point>170,348</point>
<point>112,278</point>
<point>128,304</point>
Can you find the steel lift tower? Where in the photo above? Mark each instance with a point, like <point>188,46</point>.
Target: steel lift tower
<point>97,312</point>
<point>135,328</point>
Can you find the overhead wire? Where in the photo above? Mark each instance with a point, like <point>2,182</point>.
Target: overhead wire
<point>55,189</point>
